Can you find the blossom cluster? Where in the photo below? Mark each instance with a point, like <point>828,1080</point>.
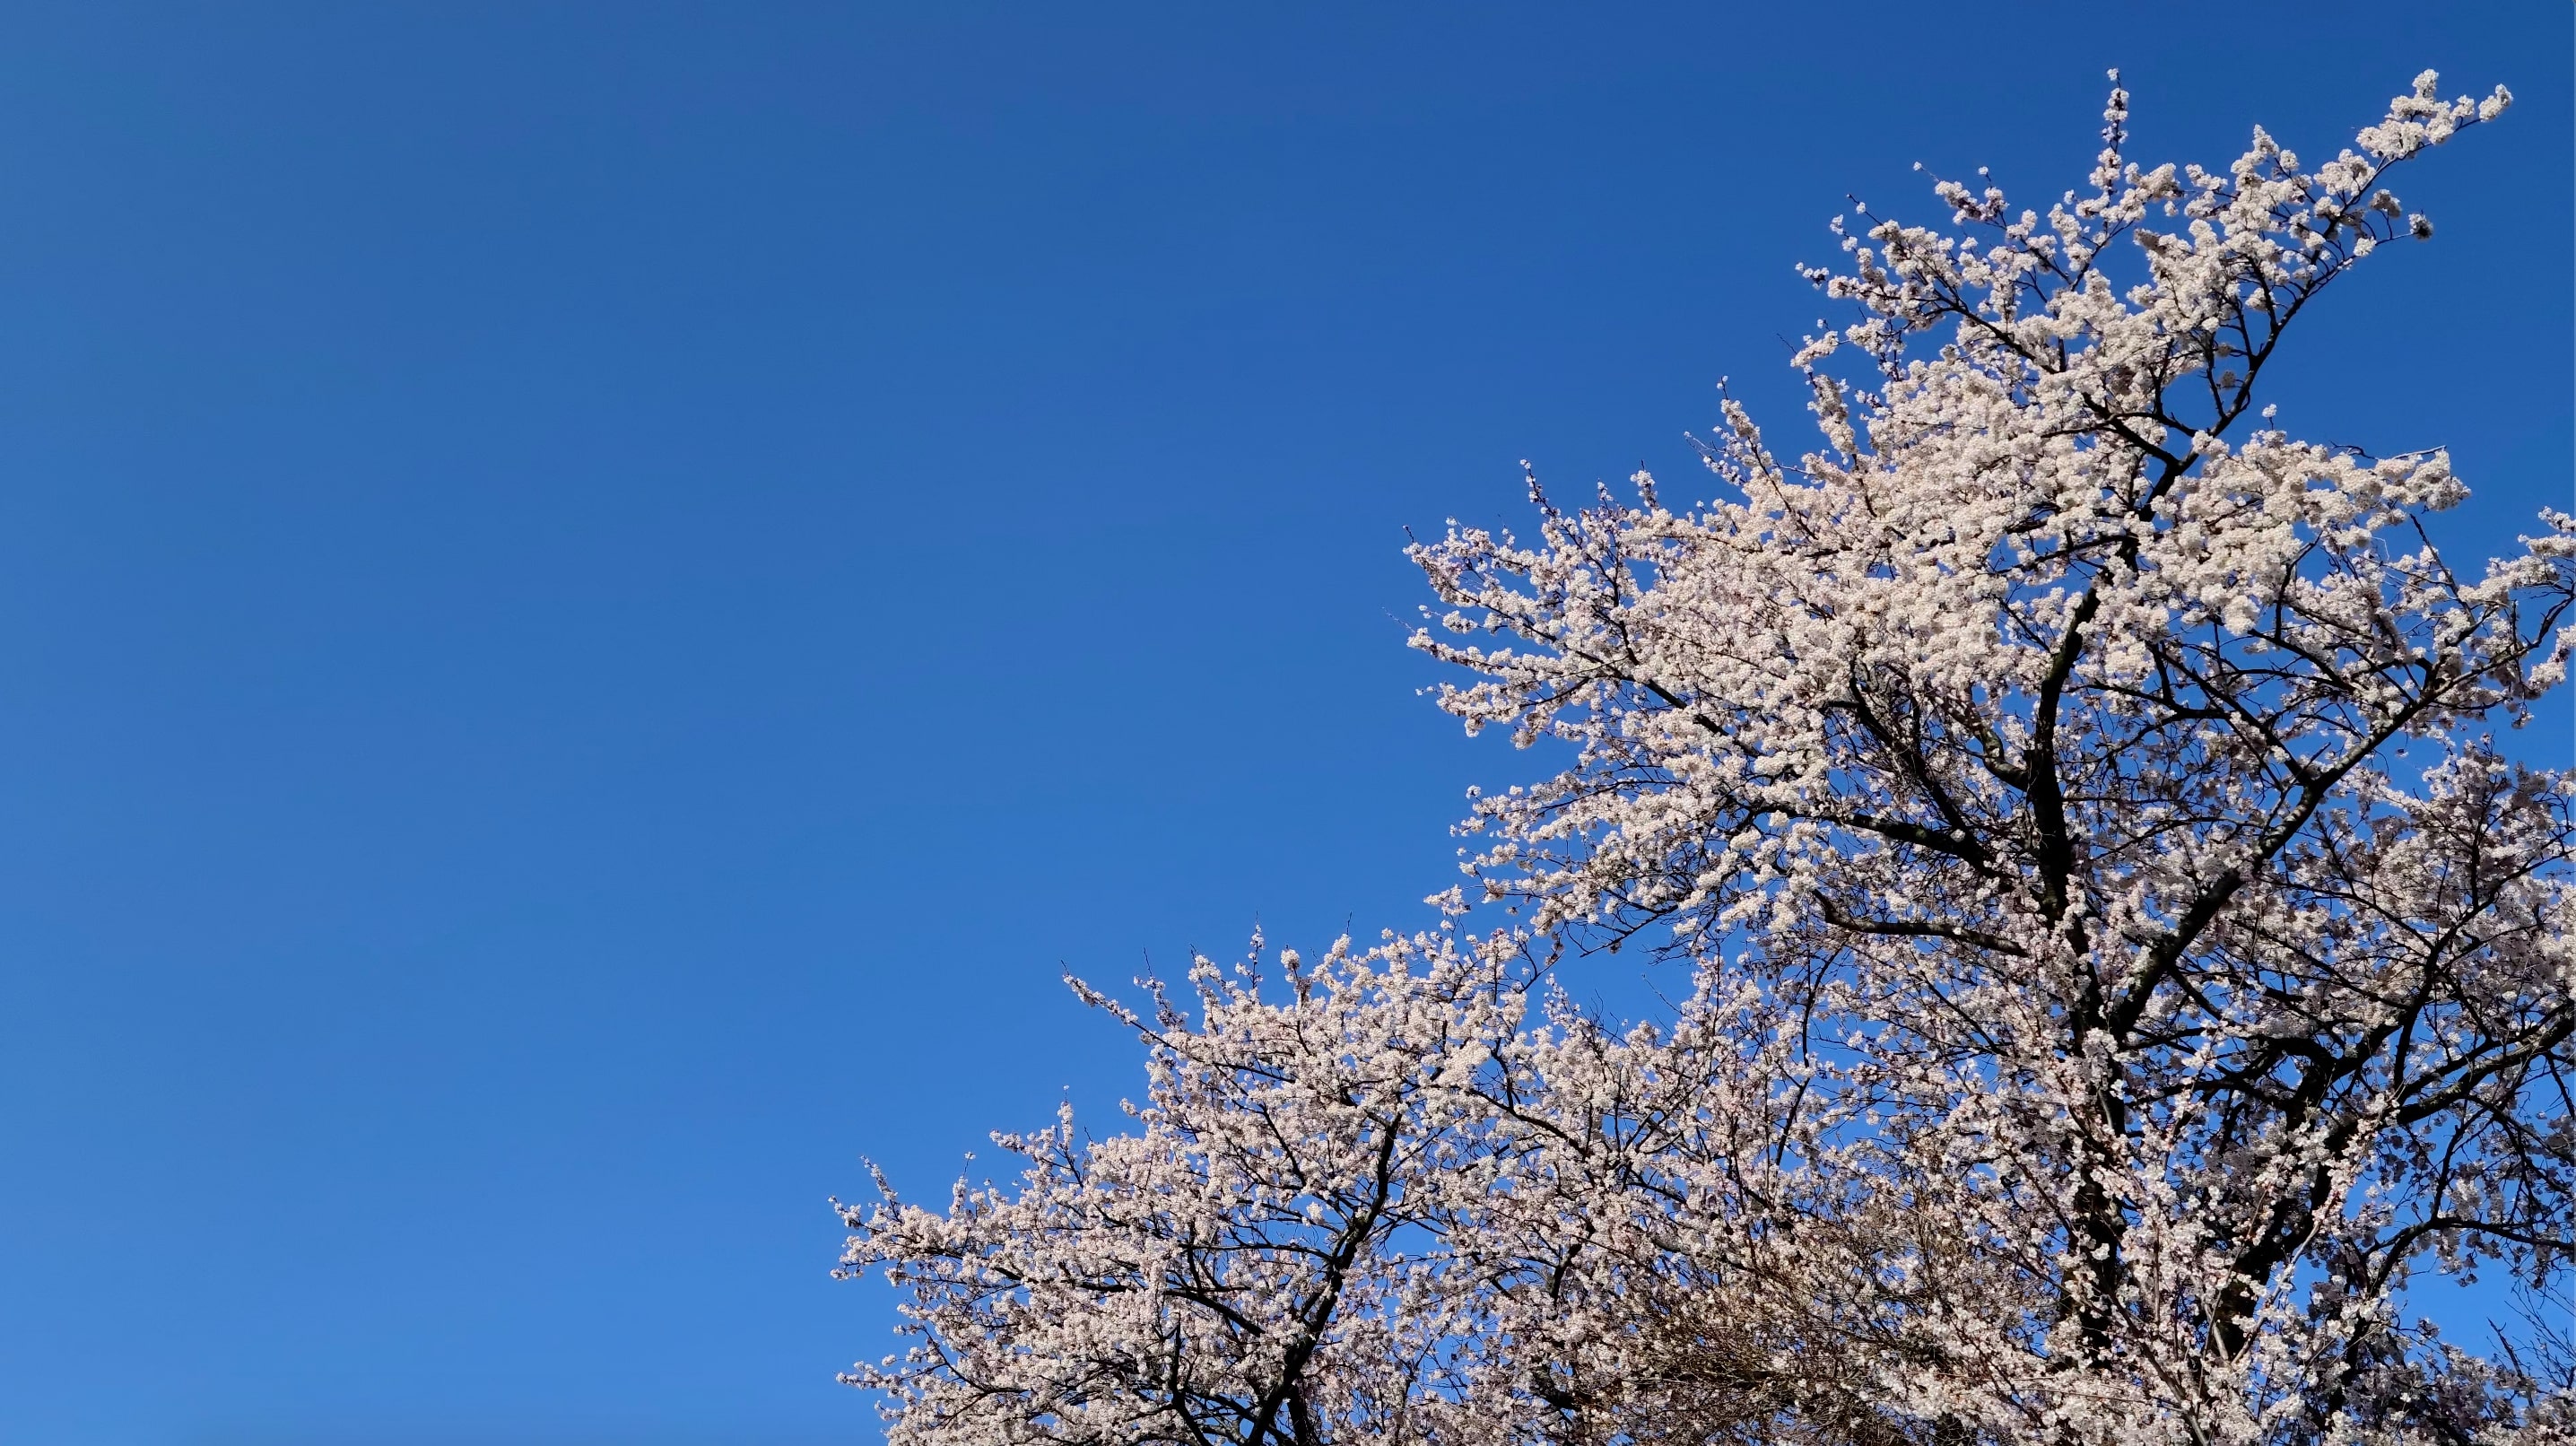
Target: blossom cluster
<point>2123,960</point>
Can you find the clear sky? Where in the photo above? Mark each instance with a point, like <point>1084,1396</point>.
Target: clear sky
<point>595,601</point>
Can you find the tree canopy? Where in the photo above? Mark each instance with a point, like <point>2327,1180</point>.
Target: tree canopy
<point>2122,957</point>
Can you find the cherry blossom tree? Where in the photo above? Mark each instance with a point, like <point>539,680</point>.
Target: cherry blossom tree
<point>2123,959</point>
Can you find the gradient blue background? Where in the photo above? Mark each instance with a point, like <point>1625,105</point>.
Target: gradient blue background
<point>595,600</point>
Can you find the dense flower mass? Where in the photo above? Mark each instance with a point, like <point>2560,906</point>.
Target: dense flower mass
<point>2123,960</point>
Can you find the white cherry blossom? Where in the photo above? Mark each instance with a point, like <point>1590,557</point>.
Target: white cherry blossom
<point>2123,958</point>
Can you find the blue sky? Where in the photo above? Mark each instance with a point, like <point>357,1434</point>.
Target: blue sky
<point>594,601</point>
